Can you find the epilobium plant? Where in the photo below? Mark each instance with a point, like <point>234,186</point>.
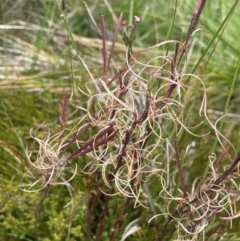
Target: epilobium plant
<point>123,139</point>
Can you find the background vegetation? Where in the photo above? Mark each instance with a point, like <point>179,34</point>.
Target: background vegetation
<point>39,63</point>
